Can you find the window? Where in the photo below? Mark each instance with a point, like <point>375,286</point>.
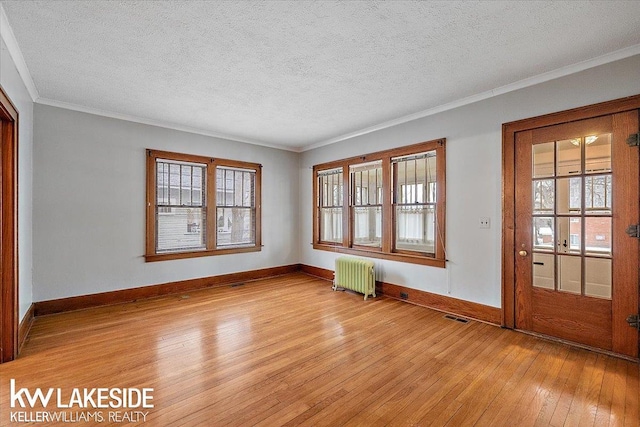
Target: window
<point>235,207</point>
<point>415,202</point>
<point>330,205</point>
<point>393,206</point>
<point>200,206</point>
<point>366,205</point>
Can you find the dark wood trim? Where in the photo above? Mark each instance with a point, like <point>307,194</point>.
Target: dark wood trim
<point>595,110</point>
<point>394,256</point>
<point>379,155</point>
<point>442,303</point>
<point>25,326</point>
<point>626,277</point>
<point>508,227</point>
<point>322,273</point>
<point>209,208</point>
<point>509,131</point>
<point>127,295</point>
<point>8,229</point>
<point>387,250</point>
<point>196,254</point>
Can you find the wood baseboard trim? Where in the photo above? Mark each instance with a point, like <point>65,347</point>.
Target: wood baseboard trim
<point>25,326</point>
<point>442,303</point>
<point>81,302</point>
<point>322,273</point>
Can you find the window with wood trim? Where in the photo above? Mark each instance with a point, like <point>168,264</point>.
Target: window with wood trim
<point>330,199</point>
<point>200,206</point>
<point>389,204</point>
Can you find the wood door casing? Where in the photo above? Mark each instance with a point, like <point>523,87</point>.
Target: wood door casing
<point>624,340</point>
<point>9,312</point>
<point>626,299</point>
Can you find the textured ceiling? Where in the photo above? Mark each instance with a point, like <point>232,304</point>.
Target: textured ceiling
<point>299,74</point>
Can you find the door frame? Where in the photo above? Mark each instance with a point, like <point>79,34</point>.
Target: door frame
<point>8,229</point>
<point>509,131</point>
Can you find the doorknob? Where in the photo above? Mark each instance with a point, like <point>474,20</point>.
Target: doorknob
<point>523,253</point>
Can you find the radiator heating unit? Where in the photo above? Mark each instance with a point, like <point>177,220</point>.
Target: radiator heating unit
<point>356,275</point>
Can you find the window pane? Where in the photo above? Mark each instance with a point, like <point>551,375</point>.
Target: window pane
<point>598,277</point>
<point>185,186</point>
<point>543,233</point>
<point>367,226</point>
<point>544,267</point>
<point>415,178</point>
<point>162,183</point>
<point>366,182</point>
<point>597,191</point>
<point>569,231</point>
<point>598,235</point>
<point>235,188</point>
<point>229,190</point>
<point>180,229</point>
<point>174,185</point>
<point>543,160</point>
<point>235,227</point>
<point>248,189</point>
<point>569,157</point>
<point>331,225</point>
<point>570,274</point>
<point>415,228</point>
<point>598,153</point>
<point>330,187</point>
<point>543,196</point>
<point>569,195</point>
<point>179,184</point>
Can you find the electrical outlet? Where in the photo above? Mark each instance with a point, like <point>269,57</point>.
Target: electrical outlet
<point>484,222</point>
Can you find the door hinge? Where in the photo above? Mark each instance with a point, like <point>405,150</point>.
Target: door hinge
<point>634,321</point>
<point>633,140</point>
<point>633,230</point>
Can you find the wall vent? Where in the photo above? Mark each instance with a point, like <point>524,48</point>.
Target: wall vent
<point>457,319</point>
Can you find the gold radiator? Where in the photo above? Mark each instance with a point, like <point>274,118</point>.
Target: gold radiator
<point>355,274</point>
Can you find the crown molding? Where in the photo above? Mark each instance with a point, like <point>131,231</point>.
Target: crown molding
<point>157,123</point>
<point>521,84</point>
<point>14,50</point>
<point>16,54</point>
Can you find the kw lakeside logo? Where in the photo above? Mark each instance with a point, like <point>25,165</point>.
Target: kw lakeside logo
<point>80,404</point>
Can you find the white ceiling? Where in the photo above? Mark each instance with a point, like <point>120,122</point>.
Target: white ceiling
<point>297,75</point>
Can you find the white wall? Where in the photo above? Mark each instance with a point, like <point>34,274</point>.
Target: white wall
<point>474,168</point>
<point>17,92</point>
<point>89,204</point>
<point>89,190</point>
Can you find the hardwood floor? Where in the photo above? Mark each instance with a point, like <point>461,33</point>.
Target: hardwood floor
<point>289,351</point>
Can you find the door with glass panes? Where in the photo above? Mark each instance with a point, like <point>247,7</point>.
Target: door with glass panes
<point>576,268</point>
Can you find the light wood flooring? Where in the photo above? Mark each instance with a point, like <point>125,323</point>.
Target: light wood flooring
<point>289,351</point>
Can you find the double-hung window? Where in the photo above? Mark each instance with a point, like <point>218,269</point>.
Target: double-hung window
<point>330,203</point>
<point>199,206</point>
<point>393,206</point>
<point>366,203</point>
<point>415,202</point>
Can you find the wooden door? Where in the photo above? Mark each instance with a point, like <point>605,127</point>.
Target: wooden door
<point>576,269</point>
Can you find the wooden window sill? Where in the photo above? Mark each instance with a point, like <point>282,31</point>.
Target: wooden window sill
<point>408,258</point>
